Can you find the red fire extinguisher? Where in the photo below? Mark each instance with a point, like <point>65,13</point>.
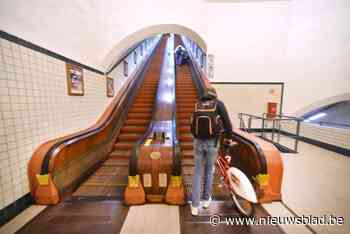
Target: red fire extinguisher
<point>271,109</point>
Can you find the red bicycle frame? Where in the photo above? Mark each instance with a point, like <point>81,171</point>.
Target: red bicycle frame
<point>223,165</point>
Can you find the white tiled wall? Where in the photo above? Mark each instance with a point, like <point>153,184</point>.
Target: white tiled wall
<point>35,107</point>
<point>333,136</point>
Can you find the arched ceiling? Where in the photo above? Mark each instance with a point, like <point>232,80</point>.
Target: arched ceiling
<point>121,48</point>
<point>98,33</point>
<point>323,102</point>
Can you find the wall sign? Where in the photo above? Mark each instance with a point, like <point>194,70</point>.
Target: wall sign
<point>110,86</point>
<point>75,80</point>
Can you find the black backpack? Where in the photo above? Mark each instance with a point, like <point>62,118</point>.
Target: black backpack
<point>205,120</point>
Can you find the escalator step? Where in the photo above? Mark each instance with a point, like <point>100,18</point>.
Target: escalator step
<point>185,110</point>
<point>184,115</point>
<point>187,162</point>
<point>140,110</point>
<point>124,145</point>
<point>148,96</point>
<point>186,145</point>
<point>185,121</point>
<point>137,121</point>
<point>186,137</point>
<point>120,154</point>
<point>185,95</point>
<point>184,129</point>
<point>129,136</point>
<point>143,105</point>
<point>133,129</point>
<point>187,104</point>
<point>116,162</point>
<point>107,170</point>
<point>139,115</point>
<point>186,100</point>
<point>187,154</point>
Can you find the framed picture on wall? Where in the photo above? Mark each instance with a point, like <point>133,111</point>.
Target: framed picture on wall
<point>125,68</point>
<point>75,80</point>
<point>110,86</point>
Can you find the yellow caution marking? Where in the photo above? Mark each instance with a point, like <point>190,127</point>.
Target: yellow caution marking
<point>133,181</point>
<point>43,179</point>
<point>262,179</point>
<point>148,142</point>
<point>175,181</point>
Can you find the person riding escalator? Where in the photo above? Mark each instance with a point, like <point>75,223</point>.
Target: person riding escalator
<point>181,56</point>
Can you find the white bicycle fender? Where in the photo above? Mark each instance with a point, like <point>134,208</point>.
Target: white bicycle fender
<point>243,188</point>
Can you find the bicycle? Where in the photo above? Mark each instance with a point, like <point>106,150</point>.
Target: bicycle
<point>236,182</point>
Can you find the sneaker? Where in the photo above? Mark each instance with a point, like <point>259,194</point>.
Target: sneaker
<point>206,204</point>
<point>194,210</point>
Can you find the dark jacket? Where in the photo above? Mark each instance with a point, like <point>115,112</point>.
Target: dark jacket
<point>222,112</point>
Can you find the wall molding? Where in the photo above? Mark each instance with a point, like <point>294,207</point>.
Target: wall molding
<point>30,45</point>
<point>12,210</point>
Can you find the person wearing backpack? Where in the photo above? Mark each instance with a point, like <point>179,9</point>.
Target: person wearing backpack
<point>208,119</point>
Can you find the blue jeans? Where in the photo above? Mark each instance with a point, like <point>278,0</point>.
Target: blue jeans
<point>206,151</point>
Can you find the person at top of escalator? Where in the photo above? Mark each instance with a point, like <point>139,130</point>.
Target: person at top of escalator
<point>181,56</point>
<point>208,119</point>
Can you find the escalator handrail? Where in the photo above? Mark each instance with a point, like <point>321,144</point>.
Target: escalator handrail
<point>176,166</point>
<point>123,99</point>
<point>199,79</point>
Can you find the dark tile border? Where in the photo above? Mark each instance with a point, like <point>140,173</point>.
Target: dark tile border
<point>12,210</point>
<point>30,45</point>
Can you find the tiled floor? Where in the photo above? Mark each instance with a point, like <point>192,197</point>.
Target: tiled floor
<point>315,183</point>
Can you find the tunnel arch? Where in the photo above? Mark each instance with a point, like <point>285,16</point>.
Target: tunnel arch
<point>324,102</point>
<point>120,49</point>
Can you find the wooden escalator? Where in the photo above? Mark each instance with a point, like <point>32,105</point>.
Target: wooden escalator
<point>110,178</point>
